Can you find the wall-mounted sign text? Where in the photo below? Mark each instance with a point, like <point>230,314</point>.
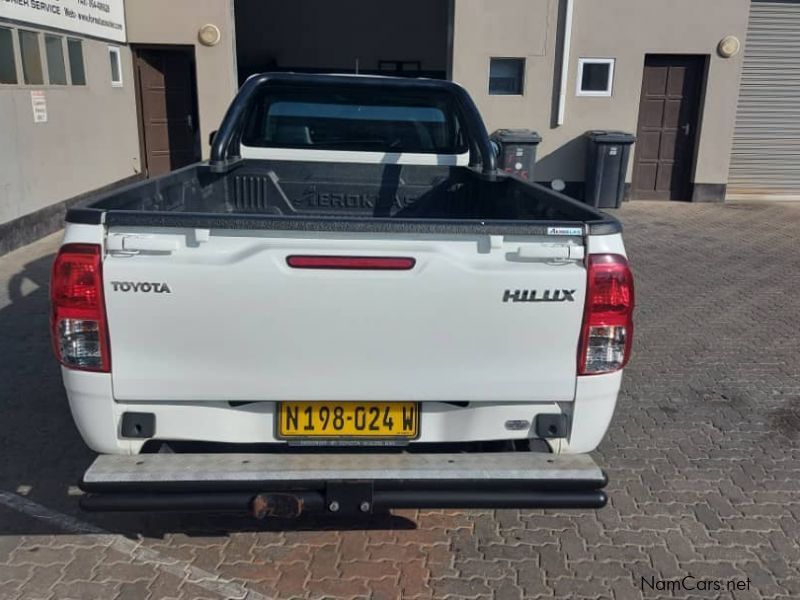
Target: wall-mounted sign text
<point>98,18</point>
<point>39,104</point>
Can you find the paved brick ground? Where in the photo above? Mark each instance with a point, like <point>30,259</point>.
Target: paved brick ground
<point>703,459</point>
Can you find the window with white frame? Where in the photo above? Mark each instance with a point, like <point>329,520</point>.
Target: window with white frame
<point>31,58</point>
<point>32,71</point>
<point>116,66</point>
<point>54,51</point>
<point>595,76</point>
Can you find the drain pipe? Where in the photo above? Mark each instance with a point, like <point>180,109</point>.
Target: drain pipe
<point>565,50</point>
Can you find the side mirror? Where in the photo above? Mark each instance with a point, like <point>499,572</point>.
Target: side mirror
<point>211,137</point>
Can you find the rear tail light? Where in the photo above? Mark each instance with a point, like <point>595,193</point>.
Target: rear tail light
<point>608,318</point>
<point>78,317</point>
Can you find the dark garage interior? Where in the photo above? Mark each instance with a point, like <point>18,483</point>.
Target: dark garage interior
<point>390,38</point>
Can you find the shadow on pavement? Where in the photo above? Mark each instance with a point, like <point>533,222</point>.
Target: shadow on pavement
<point>44,456</point>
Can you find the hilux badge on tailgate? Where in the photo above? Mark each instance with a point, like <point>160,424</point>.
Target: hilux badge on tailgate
<point>535,296</point>
<point>139,286</point>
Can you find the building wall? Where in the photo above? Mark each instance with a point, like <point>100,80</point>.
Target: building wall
<point>508,28</point>
<point>320,34</point>
<point>90,138</point>
<point>42,164</point>
<point>626,30</point>
<point>178,22</point>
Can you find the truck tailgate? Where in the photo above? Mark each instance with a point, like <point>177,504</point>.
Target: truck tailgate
<point>225,317</point>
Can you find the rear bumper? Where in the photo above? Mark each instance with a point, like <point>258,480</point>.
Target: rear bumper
<point>99,418</point>
<point>288,485</point>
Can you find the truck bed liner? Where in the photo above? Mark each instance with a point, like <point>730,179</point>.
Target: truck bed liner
<point>313,196</point>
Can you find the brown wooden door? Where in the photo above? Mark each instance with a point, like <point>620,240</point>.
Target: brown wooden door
<point>668,119</point>
<point>167,107</point>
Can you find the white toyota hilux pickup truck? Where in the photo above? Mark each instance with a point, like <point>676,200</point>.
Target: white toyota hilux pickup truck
<point>349,309</point>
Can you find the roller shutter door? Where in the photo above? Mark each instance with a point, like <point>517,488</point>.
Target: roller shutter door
<point>765,160</point>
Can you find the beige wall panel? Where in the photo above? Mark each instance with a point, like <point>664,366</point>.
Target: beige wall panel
<point>89,140</point>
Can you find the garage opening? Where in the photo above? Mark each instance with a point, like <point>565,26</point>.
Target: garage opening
<point>408,38</point>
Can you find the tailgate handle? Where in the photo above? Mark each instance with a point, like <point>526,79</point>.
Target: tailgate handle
<point>140,243</point>
<point>551,252</point>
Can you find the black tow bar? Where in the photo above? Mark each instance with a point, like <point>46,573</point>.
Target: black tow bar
<point>342,498</point>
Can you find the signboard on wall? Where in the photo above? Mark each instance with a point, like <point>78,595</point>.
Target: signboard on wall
<point>39,104</point>
<point>98,18</point>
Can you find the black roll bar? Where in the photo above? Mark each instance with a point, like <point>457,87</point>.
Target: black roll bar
<point>225,146</point>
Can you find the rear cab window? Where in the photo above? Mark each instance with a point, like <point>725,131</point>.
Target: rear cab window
<point>355,119</point>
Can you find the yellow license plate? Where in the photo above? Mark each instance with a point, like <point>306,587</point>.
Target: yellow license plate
<point>348,419</point>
